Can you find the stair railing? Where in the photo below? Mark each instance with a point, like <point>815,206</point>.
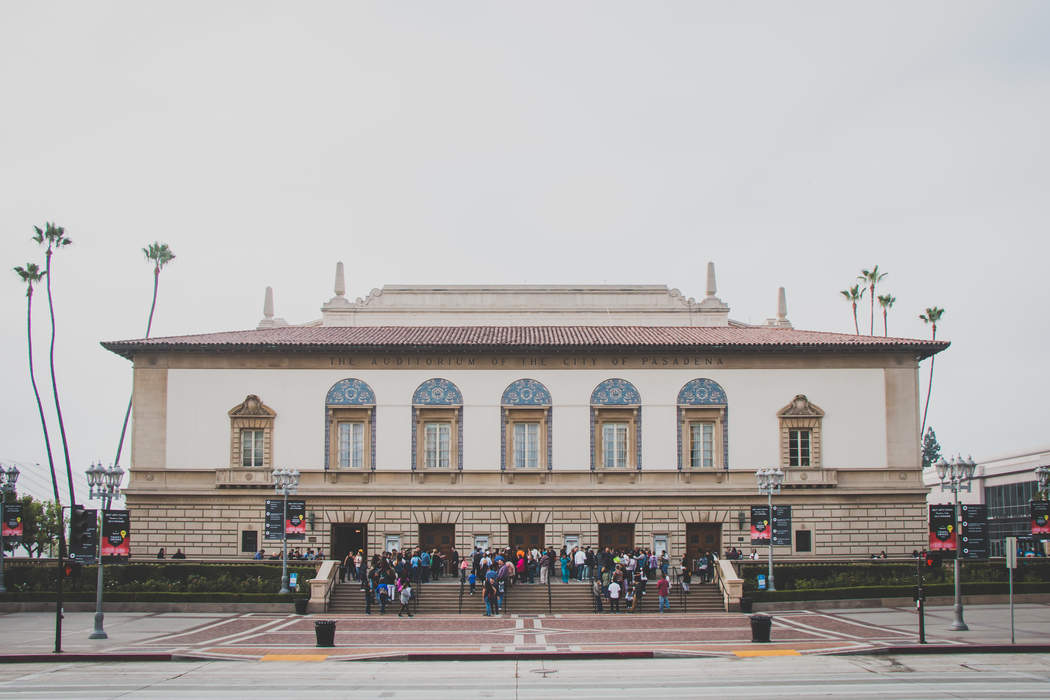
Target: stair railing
<point>550,605</point>
<point>462,585</point>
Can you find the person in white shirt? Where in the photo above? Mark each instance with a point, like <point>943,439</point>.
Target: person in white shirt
<point>614,597</point>
<point>580,559</point>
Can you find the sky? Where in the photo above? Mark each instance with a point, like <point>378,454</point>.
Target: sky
<point>793,144</point>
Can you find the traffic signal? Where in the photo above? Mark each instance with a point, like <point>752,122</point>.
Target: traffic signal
<point>933,560</point>
<point>78,526</point>
<point>83,534</point>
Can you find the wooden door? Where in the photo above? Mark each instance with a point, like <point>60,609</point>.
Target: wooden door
<point>703,537</point>
<point>618,536</point>
<point>437,536</point>
<point>526,537</point>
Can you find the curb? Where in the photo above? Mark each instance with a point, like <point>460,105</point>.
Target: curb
<point>52,657</point>
<point>952,649</point>
<point>515,656</point>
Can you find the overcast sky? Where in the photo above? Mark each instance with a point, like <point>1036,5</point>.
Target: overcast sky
<point>543,142</point>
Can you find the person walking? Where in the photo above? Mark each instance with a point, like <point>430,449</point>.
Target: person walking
<point>490,595</point>
<point>406,597</point>
<point>663,591</point>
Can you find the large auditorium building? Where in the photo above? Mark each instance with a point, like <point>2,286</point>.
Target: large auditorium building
<point>455,416</point>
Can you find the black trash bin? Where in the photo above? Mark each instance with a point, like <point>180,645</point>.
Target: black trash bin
<point>300,606</point>
<point>325,631</point>
<point>745,605</point>
<point>760,627</point>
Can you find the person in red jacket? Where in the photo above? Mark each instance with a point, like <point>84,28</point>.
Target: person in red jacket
<point>663,590</point>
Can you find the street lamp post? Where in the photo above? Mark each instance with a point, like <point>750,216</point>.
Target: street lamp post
<point>285,481</point>
<point>956,476</point>
<point>104,484</point>
<point>8,477</point>
<point>769,481</point>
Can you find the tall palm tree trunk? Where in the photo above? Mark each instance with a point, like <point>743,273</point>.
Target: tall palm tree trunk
<point>54,477</point>
<point>54,387</point>
<point>929,389</point>
<point>149,326</point>
<point>872,300</point>
<point>855,326</point>
<point>885,324</point>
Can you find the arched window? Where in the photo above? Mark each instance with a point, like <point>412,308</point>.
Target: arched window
<point>350,426</point>
<point>437,425</point>
<point>616,426</point>
<point>703,425</point>
<point>525,426</point>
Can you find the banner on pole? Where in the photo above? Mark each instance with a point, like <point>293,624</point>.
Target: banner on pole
<point>12,525</point>
<point>1040,517</point>
<point>974,531</point>
<point>295,525</point>
<point>782,526</point>
<point>277,527</point>
<point>761,526</point>
<point>942,529</point>
<point>116,536</point>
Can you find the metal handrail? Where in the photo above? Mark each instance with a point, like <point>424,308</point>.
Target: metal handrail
<point>462,585</point>
<point>550,606</point>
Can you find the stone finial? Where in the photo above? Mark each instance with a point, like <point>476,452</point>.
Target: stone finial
<point>782,305</point>
<point>340,280</point>
<point>268,304</point>
<point>712,287</point>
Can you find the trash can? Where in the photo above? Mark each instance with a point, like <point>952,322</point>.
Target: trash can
<point>760,626</point>
<point>745,605</point>
<point>300,606</point>
<point>325,631</point>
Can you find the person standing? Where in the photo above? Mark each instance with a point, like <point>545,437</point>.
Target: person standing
<point>614,597</point>
<point>406,597</point>
<point>564,566</point>
<point>545,567</point>
<point>663,591</point>
<point>490,595</point>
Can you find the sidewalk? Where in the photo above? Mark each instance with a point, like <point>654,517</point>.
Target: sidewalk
<point>271,636</point>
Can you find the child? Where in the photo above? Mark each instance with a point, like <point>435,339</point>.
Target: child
<point>629,599</point>
<point>406,596</point>
<point>473,581</point>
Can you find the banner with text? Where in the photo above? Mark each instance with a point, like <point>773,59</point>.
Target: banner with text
<point>116,536</point>
<point>12,525</point>
<point>782,526</point>
<point>1040,518</point>
<point>760,525</point>
<point>277,526</point>
<point>942,529</point>
<point>974,531</point>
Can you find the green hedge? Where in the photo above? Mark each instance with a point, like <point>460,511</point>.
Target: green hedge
<point>118,597</point>
<point>157,578</point>
<point>862,592</point>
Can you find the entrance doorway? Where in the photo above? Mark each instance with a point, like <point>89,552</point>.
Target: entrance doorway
<point>349,537</point>
<point>439,537</point>
<point>703,537</point>
<point>618,536</point>
<point>525,537</point>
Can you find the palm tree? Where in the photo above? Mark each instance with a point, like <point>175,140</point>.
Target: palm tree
<point>872,277</point>
<point>886,301</point>
<point>160,255</point>
<point>31,274</point>
<point>54,237</point>
<point>854,294</point>
<point>932,316</point>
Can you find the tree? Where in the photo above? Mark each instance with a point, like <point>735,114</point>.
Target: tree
<point>931,316</point>
<point>160,255</point>
<point>854,294</point>
<point>871,278</point>
<point>886,301</point>
<point>931,449</point>
<point>54,237</point>
<point>30,274</point>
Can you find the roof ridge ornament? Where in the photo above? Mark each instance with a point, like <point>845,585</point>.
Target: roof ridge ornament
<point>781,321</point>
<point>711,302</point>
<point>268,321</point>
<point>339,301</point>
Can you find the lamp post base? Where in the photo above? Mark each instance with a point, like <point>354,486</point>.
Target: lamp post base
<point>99,633</point>
<point>958,625</point>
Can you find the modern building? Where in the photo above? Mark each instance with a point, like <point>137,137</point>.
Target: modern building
<point>1006,484</point>
<point>455,416</point>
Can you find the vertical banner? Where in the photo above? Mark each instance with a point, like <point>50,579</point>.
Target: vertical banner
<point>942,529</point>
<point>273,528</point>
<point>295,525</point>
<point>1040,518</point>
<point>974,531</point>
<point>83,535</point>
<point>760,525</point>
<point>116,536</point>
<point>12,525</point>
<point>782,526</point>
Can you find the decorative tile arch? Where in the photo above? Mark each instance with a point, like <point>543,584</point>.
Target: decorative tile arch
<point>438,393</point>
<point>704,392</point>
<point>525,393</point>
<point>349,393</point>
<point>617,393</point>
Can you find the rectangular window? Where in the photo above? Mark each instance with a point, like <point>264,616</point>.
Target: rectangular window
<point>351,445</point>
<point>798,448</point>
<point>803,540</point>
<point>437,445</point>
<point>252,448</point>
<point>250,541</point>
<point>702,445</point>
<point>614,445</point>
<point>527,445</point>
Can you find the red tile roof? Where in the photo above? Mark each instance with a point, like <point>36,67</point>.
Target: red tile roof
<point>327,338</point>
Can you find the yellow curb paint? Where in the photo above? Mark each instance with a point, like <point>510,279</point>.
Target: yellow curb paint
<point>294,657</point>
<point>766,652</point>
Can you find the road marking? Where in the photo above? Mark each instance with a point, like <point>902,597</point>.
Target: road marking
<point>294,657</point>
<point>519,624</point>
<point>537,624</point>
<point>766,652</point>
<point>541,639</point>
<point>519,639</point>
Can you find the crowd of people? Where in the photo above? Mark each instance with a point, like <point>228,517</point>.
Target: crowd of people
<point>294,553</point>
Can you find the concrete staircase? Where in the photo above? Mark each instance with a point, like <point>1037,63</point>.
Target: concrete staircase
<point>442,598</point>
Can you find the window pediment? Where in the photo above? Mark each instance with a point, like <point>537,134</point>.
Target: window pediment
<point>801,407</point>
<point>251,407</point>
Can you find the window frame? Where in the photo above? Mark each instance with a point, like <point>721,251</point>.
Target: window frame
<point>800,455</point>
<point>350,414</point>
<point>710,415</point>
<point>514,417</point>
<point>801,414</point>
<point>251,415</point>
<point>606,416</point>
<point>450,415</point>
<point>256,449</point>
